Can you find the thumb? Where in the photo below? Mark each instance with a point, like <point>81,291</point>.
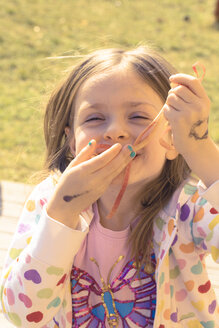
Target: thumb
<point>85,154</point>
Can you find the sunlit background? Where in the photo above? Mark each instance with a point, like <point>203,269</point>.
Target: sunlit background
<point>39,39</point>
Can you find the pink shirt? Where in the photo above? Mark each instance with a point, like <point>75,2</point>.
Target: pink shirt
<point>127,299</point>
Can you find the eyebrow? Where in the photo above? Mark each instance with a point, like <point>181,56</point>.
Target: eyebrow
<point>137,103</point>
<point>125,104</point>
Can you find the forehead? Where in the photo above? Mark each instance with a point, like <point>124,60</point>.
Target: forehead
<point>117,85</point>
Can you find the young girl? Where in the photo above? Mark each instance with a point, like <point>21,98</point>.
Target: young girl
<point>69,264</point>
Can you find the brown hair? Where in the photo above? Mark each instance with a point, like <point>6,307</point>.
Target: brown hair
<point>155,71</point>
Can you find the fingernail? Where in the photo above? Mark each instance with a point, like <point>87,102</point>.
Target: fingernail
<point>132,152</point>
<point>91,142</point>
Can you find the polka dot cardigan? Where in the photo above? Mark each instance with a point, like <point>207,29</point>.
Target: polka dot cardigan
<point>35,284</point>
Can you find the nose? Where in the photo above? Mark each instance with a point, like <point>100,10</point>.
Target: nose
<point>116,132</point>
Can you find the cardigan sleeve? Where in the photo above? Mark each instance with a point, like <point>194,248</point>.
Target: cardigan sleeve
<point>38,264</point>
<point>205,221</point>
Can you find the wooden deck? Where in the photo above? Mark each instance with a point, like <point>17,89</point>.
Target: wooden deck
<point>12,198</point>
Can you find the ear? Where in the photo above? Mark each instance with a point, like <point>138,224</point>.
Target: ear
<point>171,152</point>
<point>71,139</point>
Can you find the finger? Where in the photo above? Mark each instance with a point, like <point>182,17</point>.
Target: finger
<point>190,82</point>
<point>176,102</point>
<point>118,164</point>
<point>84,155</point>
<point>98,162</point>
<point>184,93</point>
<point>170,113</point>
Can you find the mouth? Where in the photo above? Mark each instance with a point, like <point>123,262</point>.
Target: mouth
<point>102,147</point>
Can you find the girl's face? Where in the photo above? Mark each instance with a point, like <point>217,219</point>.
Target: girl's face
<point>115,107</point>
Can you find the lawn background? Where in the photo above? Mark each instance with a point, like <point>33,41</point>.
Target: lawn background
<point>33,33</point>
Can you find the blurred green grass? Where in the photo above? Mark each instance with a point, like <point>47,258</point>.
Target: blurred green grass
<point>33,31</point>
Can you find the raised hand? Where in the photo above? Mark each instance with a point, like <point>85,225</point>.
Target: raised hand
<point>187,110</point>
<point>85,180</point>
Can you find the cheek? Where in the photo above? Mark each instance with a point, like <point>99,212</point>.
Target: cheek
<point>81,140</point>
<point>80,145</point>
<point>156,152</point>
<point>162,133</point>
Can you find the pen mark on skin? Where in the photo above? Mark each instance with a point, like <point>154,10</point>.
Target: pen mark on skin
<point>194,133</point>
<point>68,198</point>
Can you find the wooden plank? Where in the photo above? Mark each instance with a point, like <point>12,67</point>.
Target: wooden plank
<point>12,198</point>
<point>15,192</point>
<point>5,240</point>
<point>10,209</point>
<point>8,224</point>
<point>3,253</point>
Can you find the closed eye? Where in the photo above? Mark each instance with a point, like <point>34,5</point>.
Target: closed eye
<point>94,119</point>
<point>139,116</point>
